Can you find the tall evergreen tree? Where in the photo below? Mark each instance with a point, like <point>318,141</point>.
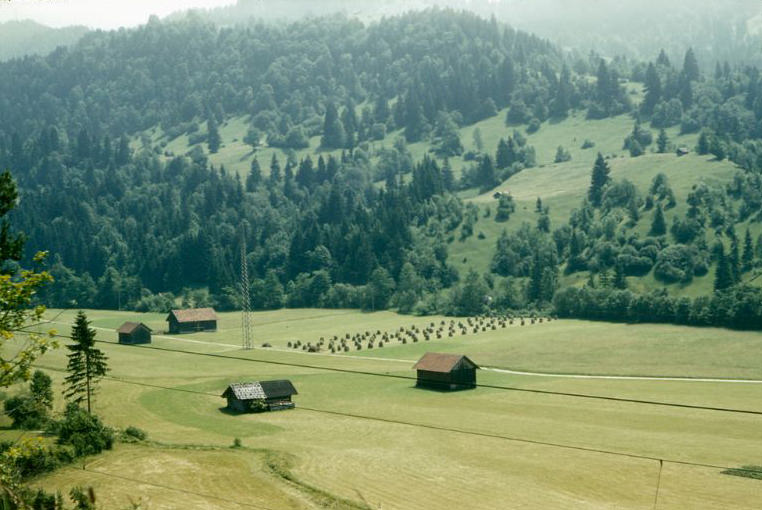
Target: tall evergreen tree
<point>255,176</point>
<point>598,181</point>
<point>690,66</point>
<point>747,258</point>
<point>275,175</point>
<point>213,139</point>
<point>723,277</point>
<point>333,129</point>
<point>662,141</point>
<point>562,102</point>
<point>87,364</point>
<point>620,281</point>
<point>486,174</point>
<point>653,90</point>
<point>658,225</point>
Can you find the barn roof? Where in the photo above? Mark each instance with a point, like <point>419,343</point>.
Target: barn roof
<point>261,389</point>
<point>194,315</point>
<point>440,362</point>
<point>129,327</point>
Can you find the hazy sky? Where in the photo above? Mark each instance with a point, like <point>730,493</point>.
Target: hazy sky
<point>96,13</point>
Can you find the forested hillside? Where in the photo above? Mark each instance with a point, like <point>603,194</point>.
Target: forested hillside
<point>339,207</point>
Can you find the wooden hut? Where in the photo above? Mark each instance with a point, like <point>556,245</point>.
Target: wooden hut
<point>192,320</point>
<point>445,371</point>
<point>260,396</point>
<point>134,333</point>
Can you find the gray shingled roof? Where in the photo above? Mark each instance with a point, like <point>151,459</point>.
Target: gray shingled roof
<point>261,389</point>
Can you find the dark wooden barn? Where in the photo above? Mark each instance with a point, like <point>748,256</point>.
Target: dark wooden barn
<point>445,372</point>
<point>260,396</point>
<point>192,320</point>
<point>134,333</point>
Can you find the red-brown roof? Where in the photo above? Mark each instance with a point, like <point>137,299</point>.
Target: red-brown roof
<point>194,315</point>
<point>440,362</point>
<point>129,327</point>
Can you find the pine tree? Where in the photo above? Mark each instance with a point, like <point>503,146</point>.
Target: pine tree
<point>662,141</point>
<point>723,278</point>
<point>658,225</point>
<point>620,280</point>
<point>448,177</point>
<point>255,176</point>
<point>600,178</point>
<point>562,102</point>
<point>333,129</point>
<point>87,364</point>
<point>486,174</point>
<point>735,259</point>
<point>653,90</point>
<point>478,143</point>
<point>748,252</point>
<point>704,143</point>
<point>275,176</point>
<point>213,139</point>
<point>690,66</point>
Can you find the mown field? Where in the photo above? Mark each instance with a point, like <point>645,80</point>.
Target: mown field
<point>362,439</point>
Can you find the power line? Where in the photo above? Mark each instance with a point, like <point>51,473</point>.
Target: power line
<point>448,429</point>
<point>408,378</point>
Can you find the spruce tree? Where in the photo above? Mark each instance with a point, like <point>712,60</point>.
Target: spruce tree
<point>653,90</point>
<point>658,225</point>
<point>213,139</point>
<point>87,364</point>
<point>690,66</point>
<point>704,143</point>
<point>723,278</point>
<point>503,157</point>
<point>620,281</point>
<point>747,257</point>
<point>600,178</point>
<point>275,176</point>
<point>255,176</point>
<point>735,259</point>
<point>662,141</point>
<point>333,129</point>
<point>486,174</point>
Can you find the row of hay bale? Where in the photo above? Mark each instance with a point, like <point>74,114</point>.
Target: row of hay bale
<point>432,331</point>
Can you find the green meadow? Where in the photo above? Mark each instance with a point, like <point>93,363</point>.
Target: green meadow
<point>360,439</point>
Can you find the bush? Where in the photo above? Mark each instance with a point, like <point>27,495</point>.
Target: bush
<point>83,431</point>
<point>135,433</point>
<point>588,144</point>
<point>26,413</point>
<point>534,125</point>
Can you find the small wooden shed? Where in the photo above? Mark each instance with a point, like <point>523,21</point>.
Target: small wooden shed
<point>260,395</point>
<point>441,371</point>
<point>192,320</point>
<point>134,333</point>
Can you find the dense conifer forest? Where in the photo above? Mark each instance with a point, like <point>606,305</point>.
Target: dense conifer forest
<point>129,226</point>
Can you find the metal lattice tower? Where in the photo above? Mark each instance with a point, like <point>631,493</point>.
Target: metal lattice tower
<point>248,342</point>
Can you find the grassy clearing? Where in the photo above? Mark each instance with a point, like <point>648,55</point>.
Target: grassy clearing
<point>389,465</point>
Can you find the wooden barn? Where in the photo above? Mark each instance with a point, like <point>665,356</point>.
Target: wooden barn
<point>445,372</point>
<point>192,320</point>
<point>134,333</point>
<point>260,396</point>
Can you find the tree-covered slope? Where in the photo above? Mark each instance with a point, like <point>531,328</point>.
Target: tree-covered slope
<point>378,166</point>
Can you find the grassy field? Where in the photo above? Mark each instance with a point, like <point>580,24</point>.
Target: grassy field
<point>335,448</point>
